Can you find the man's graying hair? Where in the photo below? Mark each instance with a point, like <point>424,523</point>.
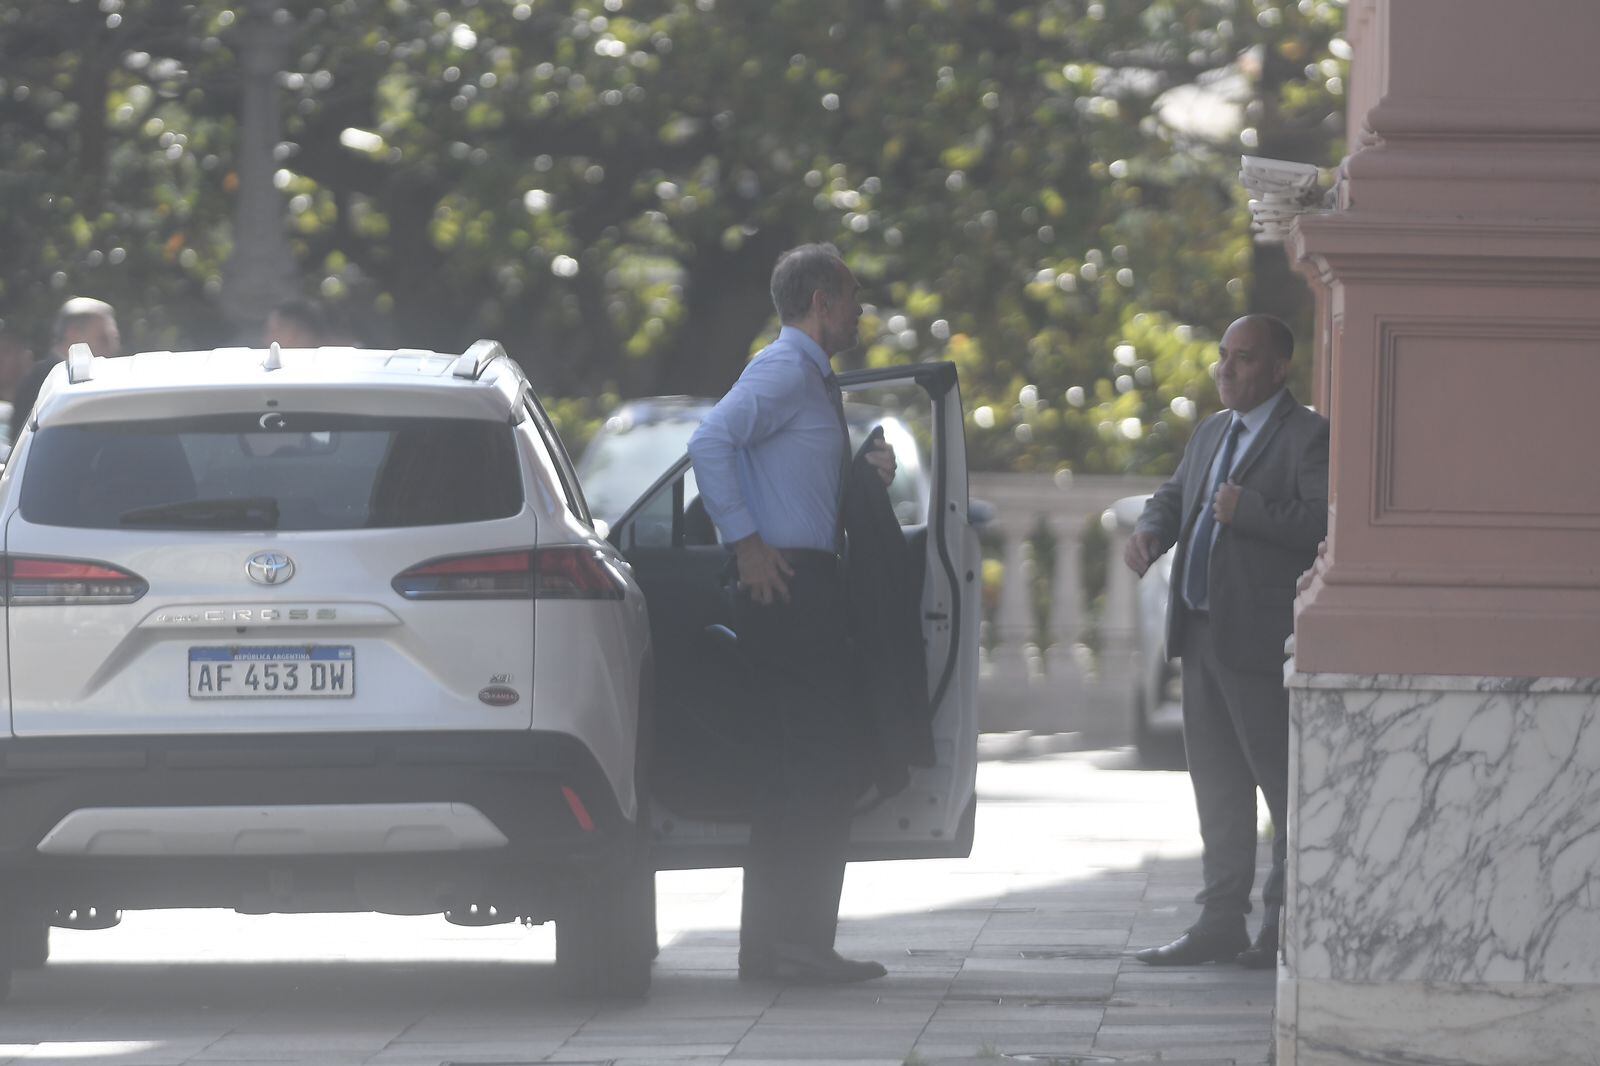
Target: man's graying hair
<point>799,273</point>
<point>78,311</point>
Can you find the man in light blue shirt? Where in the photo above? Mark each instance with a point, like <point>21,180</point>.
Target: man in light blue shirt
<point>770,460</point>
<point>769,457</point>
<point>772,449</point>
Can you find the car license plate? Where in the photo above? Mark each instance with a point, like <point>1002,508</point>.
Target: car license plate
<point>272,672</point>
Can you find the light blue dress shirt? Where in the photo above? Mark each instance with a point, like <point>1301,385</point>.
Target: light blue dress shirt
<point>769,456</point>
<point>1253,420</point>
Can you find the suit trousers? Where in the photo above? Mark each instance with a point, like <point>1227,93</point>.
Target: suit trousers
<point>1236,737</point>
<point>814,768</point>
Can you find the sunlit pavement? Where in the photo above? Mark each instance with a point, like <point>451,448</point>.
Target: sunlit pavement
<point>1020,952</point>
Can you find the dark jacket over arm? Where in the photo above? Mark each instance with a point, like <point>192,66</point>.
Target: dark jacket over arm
<point>888,660</point>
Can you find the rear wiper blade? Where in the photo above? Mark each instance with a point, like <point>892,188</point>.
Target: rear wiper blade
<point>248,512</point>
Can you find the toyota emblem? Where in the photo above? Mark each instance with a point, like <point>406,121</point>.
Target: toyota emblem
<point>269,568</point>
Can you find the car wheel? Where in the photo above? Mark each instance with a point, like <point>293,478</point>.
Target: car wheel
<point>644,761</point>
<point>1142,737</point>
<point>606,939</point>
<point>28,936</point>
<point>20,946</point>
<point>1156,750</point>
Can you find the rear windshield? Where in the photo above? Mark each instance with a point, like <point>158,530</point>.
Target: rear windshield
<point>279,470</point>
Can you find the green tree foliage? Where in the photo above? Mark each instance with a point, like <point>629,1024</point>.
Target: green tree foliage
<point>116,128</point>
<point>1043,192</point>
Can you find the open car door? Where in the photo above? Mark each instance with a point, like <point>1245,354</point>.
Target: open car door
<point>709,724</point>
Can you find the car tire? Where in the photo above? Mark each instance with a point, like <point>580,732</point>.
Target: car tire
<point>1142,737</point>
<point>644,761</point>
<point>16,931</point>
<point>27,939</point>
<point>1156,751</point>
<point>606,939</point>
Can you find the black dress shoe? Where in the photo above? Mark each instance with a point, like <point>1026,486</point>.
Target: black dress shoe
<point>1196,947</point>
<point>806,965</point>
<point>1263,954</point>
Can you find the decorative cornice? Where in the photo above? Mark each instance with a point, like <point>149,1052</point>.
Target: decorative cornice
<point>1492,119</point>
<point>1368,245</point>
<point>1457,161</point>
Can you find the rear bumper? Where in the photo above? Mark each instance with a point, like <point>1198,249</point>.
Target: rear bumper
<point>517,782</point>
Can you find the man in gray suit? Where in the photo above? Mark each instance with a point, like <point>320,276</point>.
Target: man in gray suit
<point>1245,508</point>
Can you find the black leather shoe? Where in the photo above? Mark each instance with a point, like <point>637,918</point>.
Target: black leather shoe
<point>1263,954</point>
<point>1196,947</point>
<point>805,965</point>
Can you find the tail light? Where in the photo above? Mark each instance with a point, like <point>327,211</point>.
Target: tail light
<point>32,581</point>
<point>564,573</point>
<point>574,573</point>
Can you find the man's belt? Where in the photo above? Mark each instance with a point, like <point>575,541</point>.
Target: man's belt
<point>813,559</point>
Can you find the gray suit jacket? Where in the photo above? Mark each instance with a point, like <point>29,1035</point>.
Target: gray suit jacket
<point>1256,560</point>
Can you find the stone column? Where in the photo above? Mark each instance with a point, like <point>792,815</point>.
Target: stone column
<point>1444,902</point>
<point>260,271</point>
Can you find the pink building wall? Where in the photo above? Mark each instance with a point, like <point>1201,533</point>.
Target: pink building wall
<point>1460,282</point>
<point>1444,818</point>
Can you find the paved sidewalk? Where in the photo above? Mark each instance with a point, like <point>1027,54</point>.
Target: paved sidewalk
<point>1019,953</point>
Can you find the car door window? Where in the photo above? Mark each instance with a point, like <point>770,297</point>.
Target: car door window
<point>708,724</point>
<point>905,413</point>
<point>670,515</point>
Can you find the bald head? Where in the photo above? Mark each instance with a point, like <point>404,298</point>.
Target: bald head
<point>1276,336</point>
<point>1253,361</point>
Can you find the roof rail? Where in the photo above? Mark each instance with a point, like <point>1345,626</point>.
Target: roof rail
<point>80,363</point>
<point>476,359</point>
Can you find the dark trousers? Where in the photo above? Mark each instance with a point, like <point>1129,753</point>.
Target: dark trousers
<point>1236,736</point>
<point>800,830</point>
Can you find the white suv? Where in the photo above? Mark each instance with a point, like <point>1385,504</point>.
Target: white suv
<point>318,630</point>
<point>332,630</point>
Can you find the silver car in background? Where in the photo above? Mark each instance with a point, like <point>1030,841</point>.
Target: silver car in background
<point>642,437</point>
<point>1155,698</point>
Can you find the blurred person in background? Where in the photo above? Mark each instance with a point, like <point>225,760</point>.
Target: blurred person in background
<point>15,359</point>
<point>296,323</point>
<point>81,320</point>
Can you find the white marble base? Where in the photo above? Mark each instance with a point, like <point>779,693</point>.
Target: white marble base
<point>1444,871</point>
